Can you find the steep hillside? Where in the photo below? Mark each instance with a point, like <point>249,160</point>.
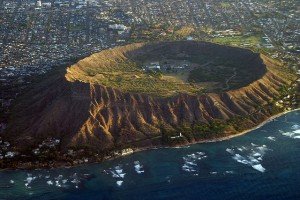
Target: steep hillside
<point>85,114</point>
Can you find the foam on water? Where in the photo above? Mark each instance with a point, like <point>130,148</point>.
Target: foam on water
<point>271,138</point>
<point>245,148</point>
<point>188,168</point>
<point>254,145</point>
<point>240,159</point>
<point>190,163</point>
<point>295,127</point>
<point>256,154</point>
<point>50,182</point>
<point>29,180</point>
<point>240,149</point>
<point>164,173</point>
<point>60,181</point>
<point>57,184</point>
<point>259,167</point>
<point>138,167</point>
<point>231,151</point>
<point>251,157</point>
<point>119,183</point>
<point>297,131</point>
<point>75,180</point>
<point>117,172</point>
<point>292,134</point>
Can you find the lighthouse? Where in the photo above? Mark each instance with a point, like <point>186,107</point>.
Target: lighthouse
<point>39,3</point>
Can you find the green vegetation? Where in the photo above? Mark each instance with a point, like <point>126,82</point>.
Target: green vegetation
<point>190,133</point>
<point>239,40</point>
<point>183,32</point>
<point>239,123</point>
<point>193,70</point>
<point>212,75</point>
<point>132,79</point>
<point>209,131</point>
<point>225,5</point>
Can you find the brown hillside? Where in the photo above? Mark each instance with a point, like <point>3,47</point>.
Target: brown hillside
<point>81,112</point>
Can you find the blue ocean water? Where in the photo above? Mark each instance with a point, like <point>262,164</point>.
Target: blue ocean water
<point>263,164</point>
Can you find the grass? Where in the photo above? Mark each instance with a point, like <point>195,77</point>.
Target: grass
<point>183,32</point>
<point>140,82</point>
<point>210,71</point>
<point>181,76</point>
<point>225,5</point>
<point>239,40</point>
<point>129,77</point>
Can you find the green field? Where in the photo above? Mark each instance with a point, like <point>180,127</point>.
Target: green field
<point>251,41</point>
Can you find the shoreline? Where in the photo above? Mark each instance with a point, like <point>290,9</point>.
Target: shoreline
<point>251,129</point>
<point>210,140</point>
<point>164,147</point>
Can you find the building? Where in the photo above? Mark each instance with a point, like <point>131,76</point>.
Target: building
<point>117,27</point>
<point>126,151</point>
<point>39,3</point>
<point>178,136</point>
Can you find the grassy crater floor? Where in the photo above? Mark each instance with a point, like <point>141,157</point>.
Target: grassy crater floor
<point>168,68</point>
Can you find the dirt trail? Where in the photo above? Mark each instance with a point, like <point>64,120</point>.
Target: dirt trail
<point>231,77</point>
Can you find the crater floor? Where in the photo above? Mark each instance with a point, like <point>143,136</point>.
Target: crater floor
<point>169,68</point>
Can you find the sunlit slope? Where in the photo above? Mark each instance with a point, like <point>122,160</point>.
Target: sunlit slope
<point>85,107</point>
<point>215,68</point>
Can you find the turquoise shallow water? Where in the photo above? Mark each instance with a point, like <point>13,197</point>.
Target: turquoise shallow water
<point>263,164</point>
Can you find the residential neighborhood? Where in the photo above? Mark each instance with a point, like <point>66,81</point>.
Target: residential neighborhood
<point>150,99</point>
<point>38,36</point>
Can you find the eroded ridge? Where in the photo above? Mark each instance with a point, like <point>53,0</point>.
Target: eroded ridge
<point>84,109</point>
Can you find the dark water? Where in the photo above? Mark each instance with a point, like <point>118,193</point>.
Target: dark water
<point>263,164</point>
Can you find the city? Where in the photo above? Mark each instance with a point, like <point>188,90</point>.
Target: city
<point>36,36</point>
<point>149,99</point>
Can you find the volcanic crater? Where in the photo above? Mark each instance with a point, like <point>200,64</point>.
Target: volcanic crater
<point>146,94</point>
<point>169,68</point>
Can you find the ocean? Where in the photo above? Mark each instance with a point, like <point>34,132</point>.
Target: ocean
<point>262,164</point>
